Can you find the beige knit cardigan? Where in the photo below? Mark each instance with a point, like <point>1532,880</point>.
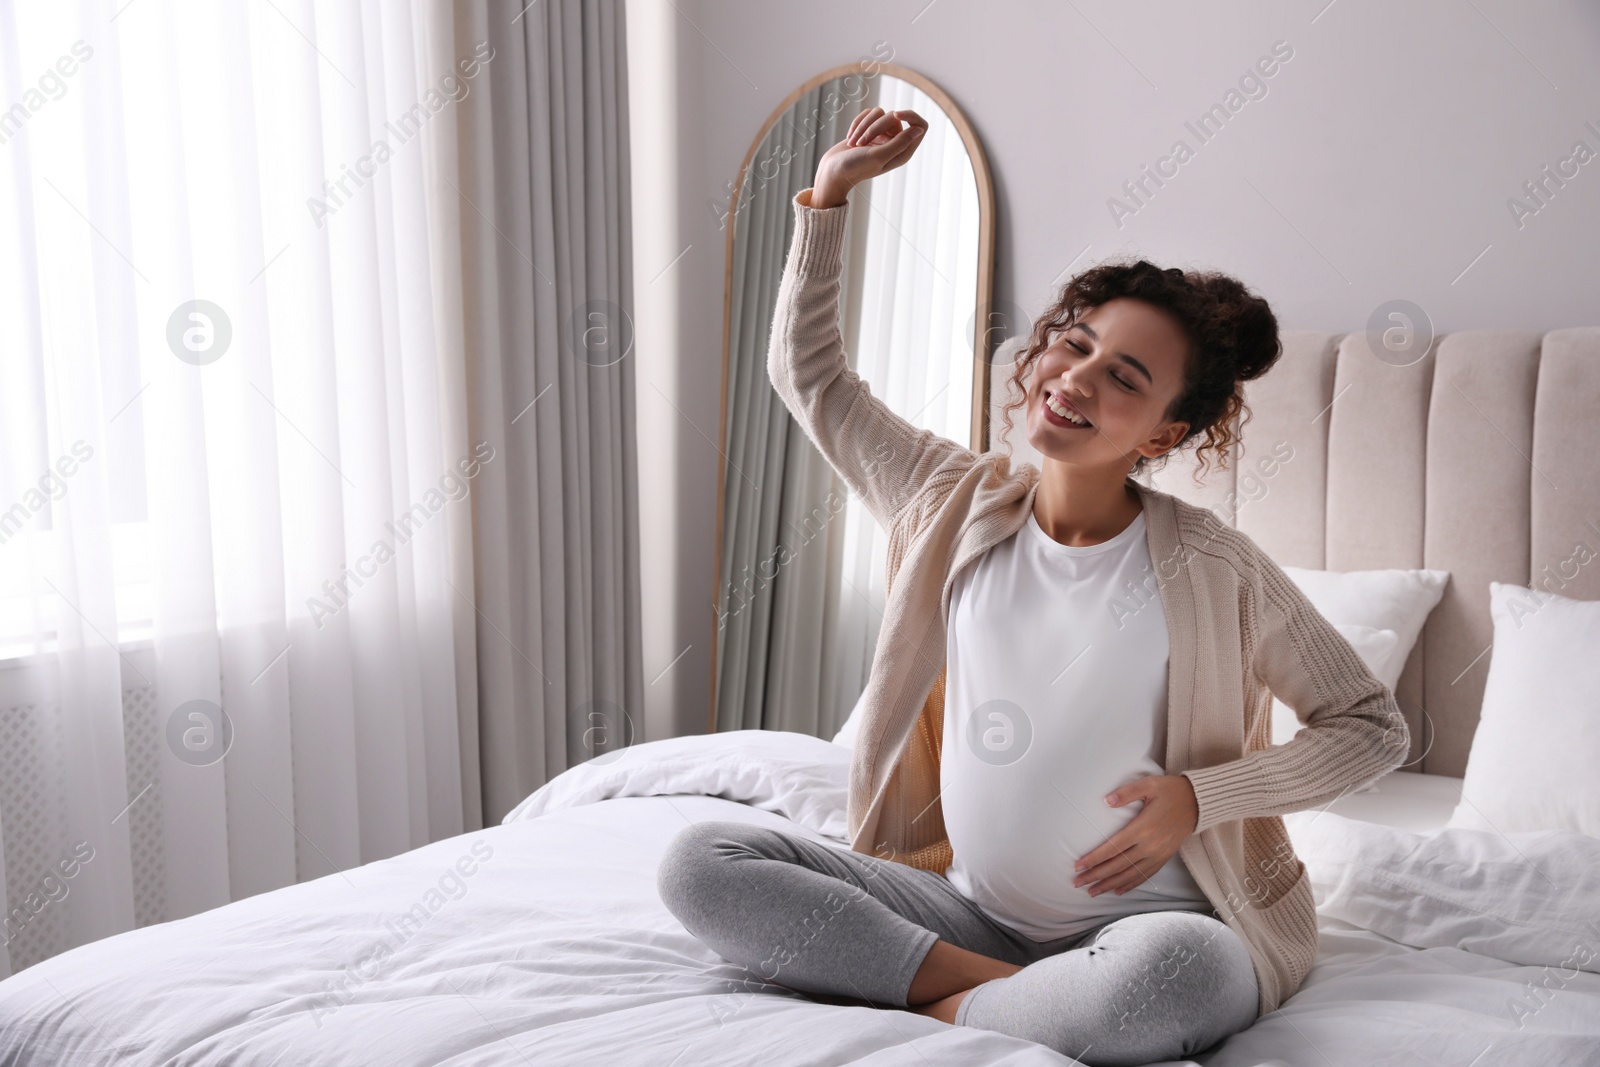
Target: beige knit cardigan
<point>1240,631</point>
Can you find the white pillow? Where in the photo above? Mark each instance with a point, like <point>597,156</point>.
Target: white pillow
<point>1397,600</point>
<point>798,776</point>
<point>1364,606</point>
<point>847,733</point>
<point>1531,766</point>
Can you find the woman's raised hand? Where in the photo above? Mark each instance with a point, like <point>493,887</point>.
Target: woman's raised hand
<point>877,143</point>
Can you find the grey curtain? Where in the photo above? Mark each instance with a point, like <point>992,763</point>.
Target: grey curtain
<point>547,279</point>
<point>782,503</point>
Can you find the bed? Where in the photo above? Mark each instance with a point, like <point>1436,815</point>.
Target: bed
<point>543,940</point>
<point>555,949</point>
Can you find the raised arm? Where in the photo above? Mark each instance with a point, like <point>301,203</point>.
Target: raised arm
<point>1354,729</point>
<point>881,456</point>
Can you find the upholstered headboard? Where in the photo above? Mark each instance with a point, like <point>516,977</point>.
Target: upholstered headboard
<point>1482,459</point>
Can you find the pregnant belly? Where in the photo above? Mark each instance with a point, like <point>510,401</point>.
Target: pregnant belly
<point>1016,843</point>
<point>1046,829</point>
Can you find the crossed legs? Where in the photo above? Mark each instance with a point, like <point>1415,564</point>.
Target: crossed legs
<point>826,920</point>
<point>832,922</point>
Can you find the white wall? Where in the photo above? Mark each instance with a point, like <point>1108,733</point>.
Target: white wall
<point>1377,166</point>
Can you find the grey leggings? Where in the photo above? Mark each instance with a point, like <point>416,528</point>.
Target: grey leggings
<point>828,920</point>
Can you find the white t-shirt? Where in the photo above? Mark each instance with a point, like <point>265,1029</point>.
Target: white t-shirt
<point>1055,694</point>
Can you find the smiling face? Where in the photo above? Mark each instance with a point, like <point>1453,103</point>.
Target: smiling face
<point>1121,368</point>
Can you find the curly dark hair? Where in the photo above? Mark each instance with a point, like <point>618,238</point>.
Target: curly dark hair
<point>1233,337</point>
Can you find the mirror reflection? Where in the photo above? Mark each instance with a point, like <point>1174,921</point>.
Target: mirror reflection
<point>800,564</point>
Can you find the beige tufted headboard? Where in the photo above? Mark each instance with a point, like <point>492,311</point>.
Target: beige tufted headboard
<point>1482,459</point>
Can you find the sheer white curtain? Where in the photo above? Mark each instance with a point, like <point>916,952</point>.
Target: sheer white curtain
<point>914,235</point>
<point>234,486</point>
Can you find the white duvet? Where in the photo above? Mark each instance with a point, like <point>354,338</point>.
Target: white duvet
<point>542,941</point>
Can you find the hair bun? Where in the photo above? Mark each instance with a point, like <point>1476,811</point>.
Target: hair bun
<point>1257,346</point>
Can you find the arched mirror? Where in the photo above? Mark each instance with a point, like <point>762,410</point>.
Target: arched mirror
<point>799,562</point>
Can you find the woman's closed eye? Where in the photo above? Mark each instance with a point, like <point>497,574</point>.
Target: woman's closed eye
<point>1119,379</point>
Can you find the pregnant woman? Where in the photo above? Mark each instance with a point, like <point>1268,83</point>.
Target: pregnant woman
<point>1063,803</point>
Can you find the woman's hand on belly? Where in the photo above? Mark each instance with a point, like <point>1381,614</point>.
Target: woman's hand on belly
<point>1141,848</point>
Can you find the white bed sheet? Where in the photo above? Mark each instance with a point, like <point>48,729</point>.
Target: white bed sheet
<point>1370,1000</point>
<point>558,950</point>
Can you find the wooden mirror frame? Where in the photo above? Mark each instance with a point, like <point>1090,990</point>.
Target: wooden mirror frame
<point>982,351</point>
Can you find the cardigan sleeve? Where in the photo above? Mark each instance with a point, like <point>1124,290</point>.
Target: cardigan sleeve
<point>882,457</point>
<point>1354,730</point>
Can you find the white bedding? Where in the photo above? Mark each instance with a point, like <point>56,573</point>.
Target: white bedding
<point>555,949</point>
